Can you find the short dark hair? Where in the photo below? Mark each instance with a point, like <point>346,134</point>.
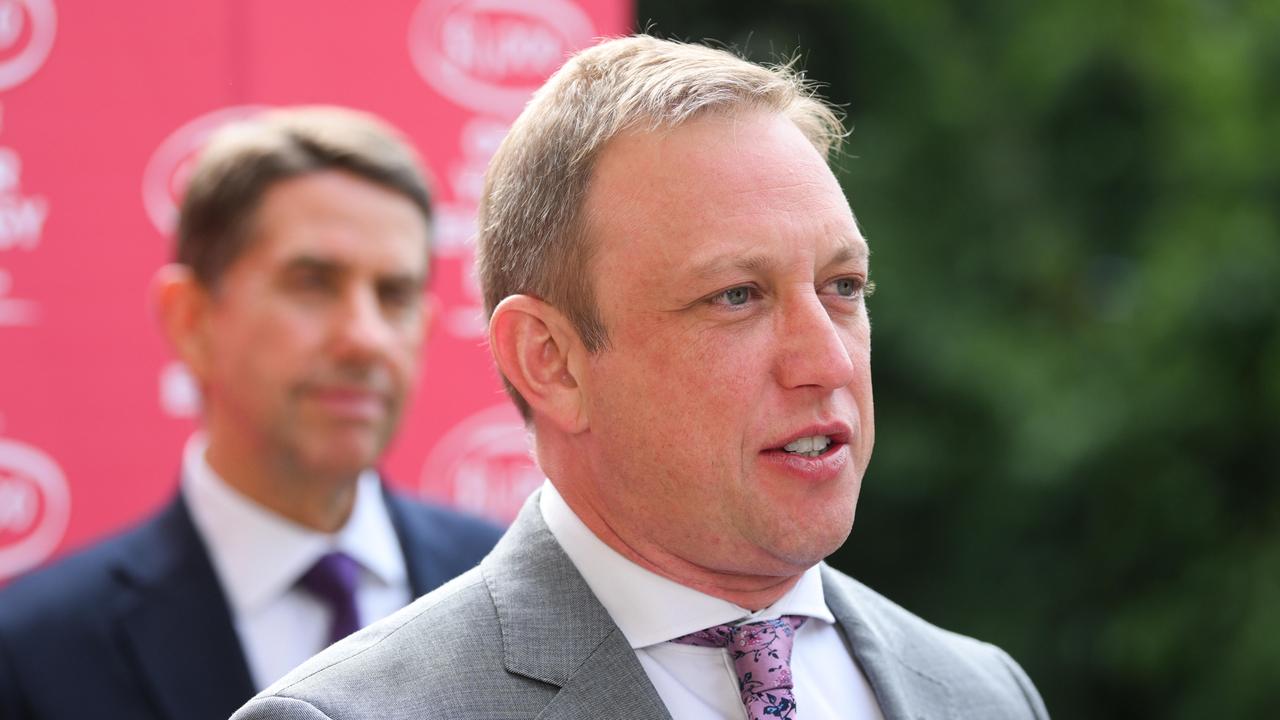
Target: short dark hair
<point>242,160</point>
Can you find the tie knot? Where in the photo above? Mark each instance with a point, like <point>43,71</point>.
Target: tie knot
<point>334,574</point>
<point>333,581</point>
<point>761,655</point>
<point>753,637</point>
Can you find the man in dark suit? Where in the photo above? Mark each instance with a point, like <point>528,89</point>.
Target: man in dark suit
<point>298,301</point>
<point>677,293</point>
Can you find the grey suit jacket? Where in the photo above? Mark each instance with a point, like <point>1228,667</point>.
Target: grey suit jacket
<point>522,636</point>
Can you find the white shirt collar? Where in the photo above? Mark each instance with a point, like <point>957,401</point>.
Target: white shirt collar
<point>651,609</point>
<point>259,555</point>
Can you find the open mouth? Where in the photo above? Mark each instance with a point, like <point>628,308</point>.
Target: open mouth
<point>819,453</point>
<point>811,446</point>
<point>814,445</point>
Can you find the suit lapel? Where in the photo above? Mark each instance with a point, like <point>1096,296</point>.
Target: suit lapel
<point>419,542</point>
<point>555,631</point>
<point>610,678</point>
<point>174,619</point>
<point>904,691</point>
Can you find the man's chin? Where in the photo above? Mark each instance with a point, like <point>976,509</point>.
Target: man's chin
<point>340,458</point>
<point>803,550</point>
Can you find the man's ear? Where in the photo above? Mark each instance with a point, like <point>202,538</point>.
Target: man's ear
<point>540,354</point>
<point>181,303</point>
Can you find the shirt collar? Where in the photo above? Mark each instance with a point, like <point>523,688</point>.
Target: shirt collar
<point>260,555</point>
<point>648,608</point>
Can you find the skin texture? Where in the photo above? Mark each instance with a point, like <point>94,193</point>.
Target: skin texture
<point>308,347</point>
<point>729,273</point>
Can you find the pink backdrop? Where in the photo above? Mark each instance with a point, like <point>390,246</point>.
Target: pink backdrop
<point>102,105</point>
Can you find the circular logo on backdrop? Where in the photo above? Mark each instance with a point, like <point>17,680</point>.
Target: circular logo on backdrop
<point>165,177</point>
<point>34,507</point>
<point>485,461</point>
<point>490,55</point>
<point>27,28</point>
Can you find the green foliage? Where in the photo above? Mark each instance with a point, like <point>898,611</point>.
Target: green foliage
<point>1075,214</point>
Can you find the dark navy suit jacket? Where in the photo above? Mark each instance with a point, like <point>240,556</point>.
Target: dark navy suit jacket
<point>138,626</point>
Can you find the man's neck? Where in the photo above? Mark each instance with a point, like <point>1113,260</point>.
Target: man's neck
<point>309,499</point>
<point>753,592</point>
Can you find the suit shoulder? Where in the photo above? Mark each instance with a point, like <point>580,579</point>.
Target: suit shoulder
<point>899,624</point>
<point>977,670</point>
<point>65,589</point>
<point>455,522</point>
<point>444,649</point>
<point>458,520</point>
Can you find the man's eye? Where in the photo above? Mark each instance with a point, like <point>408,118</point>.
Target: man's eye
<point>311,281</point>
<point>848,287</point>
<point>735,295</point>
<point>398,296</point>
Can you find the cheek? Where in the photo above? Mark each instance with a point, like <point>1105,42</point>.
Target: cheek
<point>857,342</point>
<point>704,388</point>
<point>265,346</point>
<point>405,355</point>
<point>704,363</point>
<point>679,390</point>
<point>284,343</point>
<point>724,379</point>
<point>859,346</point>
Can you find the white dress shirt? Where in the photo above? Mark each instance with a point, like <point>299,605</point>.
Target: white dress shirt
<point>259,556</point>
<point>699,682</point>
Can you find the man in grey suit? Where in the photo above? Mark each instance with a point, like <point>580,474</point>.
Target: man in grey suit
<point>676,290</point>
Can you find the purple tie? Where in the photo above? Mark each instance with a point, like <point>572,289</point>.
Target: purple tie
<point>761,654</point>
<point>333,580</point>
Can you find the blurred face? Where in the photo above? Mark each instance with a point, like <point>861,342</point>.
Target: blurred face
<point>312,336</point>
<point>731,415</point>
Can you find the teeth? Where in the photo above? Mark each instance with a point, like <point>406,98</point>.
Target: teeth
<point>809,446</point>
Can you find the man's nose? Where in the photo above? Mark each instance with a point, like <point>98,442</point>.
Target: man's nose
<point>813,347</point>
<point>361,329</point>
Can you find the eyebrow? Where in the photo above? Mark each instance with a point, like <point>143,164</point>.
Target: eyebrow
<point>309,262</point>
<point>847,252</point>
<point>744,263</point>
<point>851,250</point>
<point>312,263</point>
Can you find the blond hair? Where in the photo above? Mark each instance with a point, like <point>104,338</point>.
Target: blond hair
<point>532,237</point>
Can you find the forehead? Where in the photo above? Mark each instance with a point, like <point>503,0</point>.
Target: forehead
<point>717,185</point>
<point>339,218</point>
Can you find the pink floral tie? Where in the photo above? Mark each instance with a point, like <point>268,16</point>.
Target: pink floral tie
<point>761,654</point>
